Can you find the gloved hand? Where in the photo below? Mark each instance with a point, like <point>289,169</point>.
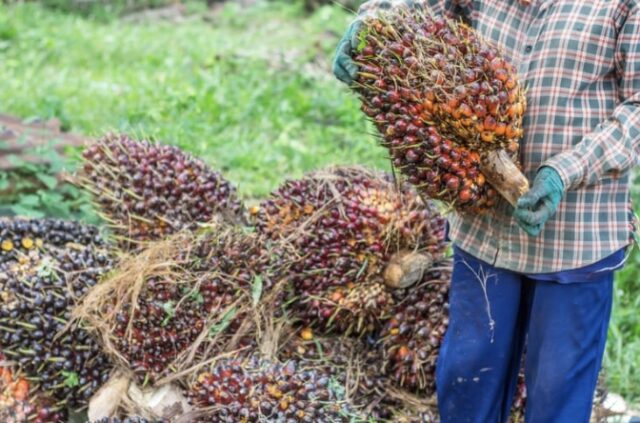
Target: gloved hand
<point>536,206</point>
<point>344,68</point>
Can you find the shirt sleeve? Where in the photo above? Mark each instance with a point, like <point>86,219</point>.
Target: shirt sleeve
<point>614,146</point>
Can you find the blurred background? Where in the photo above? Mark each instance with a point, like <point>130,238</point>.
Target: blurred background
<point>246,85</point>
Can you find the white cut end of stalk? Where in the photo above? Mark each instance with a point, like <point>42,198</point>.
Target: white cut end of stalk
<point>105,402</point>
<point>166,401</point>
<point>406,268</point>
<point>503,174</point>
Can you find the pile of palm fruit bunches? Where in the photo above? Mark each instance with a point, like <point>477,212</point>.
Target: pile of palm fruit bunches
<point>442,99</point>
<point>325,302</point>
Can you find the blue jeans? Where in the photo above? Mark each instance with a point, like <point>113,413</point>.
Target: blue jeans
<point>563,317</point>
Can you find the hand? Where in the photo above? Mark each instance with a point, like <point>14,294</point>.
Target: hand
<point>344,68</point>
<point>536,206</point>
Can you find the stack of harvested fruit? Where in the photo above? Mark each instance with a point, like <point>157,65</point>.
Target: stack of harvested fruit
<point>447,104</point>
<point>332,309</point>
<point>168,304</point>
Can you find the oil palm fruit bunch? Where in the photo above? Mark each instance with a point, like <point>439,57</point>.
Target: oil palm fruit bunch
<point>59,359</point>
<point>20,403</point>
<point>146,191</point>
<point>441,98</point>
<point>346,224</point>
<point>159,301</point>
<point>412,336</point>
<point>255,390</point>
<point>354,363</point>
<point>20,237</point>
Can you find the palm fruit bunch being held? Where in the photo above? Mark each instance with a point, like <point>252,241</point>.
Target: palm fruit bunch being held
<point>256,390</point>
<point>147,191</point>
<point>178,299</point>
<point>39,292</point>
<point>345,225</point>
<point>444,101</point>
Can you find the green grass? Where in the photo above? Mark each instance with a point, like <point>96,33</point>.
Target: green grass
<point>249,91</point>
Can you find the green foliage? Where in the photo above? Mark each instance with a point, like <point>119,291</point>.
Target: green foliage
<point>256,107</point>
<point>33,190</point>
<point>102,9</point>
<point>622,361</point>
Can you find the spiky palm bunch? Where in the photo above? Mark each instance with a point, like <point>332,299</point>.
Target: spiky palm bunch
<point>440,97</point>
<point>147,191</point>
<point>345,225</point>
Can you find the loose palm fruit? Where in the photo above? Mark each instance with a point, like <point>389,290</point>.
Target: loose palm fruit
<point>147,191</point>
<point>20,403</point>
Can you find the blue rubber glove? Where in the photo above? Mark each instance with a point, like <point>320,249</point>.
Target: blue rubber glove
<point>344,68</point>
<point>536,206</point>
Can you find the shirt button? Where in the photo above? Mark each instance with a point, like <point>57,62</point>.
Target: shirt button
<point>528,49</point>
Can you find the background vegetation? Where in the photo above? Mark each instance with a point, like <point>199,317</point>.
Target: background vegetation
<point>245,87</point>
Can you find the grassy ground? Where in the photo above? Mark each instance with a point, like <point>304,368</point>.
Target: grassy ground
<point>248,90</point>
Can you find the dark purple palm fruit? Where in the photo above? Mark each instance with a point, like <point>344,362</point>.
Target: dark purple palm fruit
<point>147,191</point>
<point>61,361</point>
<point>205,285</point>
<point>345,225</point>
<point>441,97</point>
<point>255,390</point>
<point>20,238</point>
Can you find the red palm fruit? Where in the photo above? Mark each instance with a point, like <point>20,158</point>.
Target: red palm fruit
<point>461,82</point>
<point>347,223</point>
<point>21,401</point>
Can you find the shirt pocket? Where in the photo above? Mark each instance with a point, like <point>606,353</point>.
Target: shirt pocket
<point>577,43</point>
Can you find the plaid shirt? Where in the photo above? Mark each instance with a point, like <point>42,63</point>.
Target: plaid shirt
<point>580,62</point>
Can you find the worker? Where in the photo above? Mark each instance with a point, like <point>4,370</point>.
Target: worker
<point>542,272</point>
